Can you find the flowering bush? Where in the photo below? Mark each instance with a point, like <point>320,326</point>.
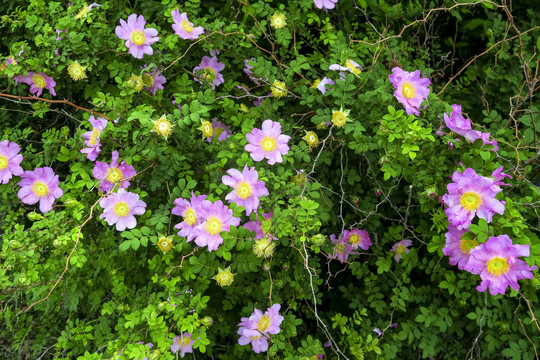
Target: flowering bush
<point>352,167</point>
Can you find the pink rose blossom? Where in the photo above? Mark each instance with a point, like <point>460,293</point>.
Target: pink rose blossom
<point>325,4</point>
<point>138,39</point>
<point>497,263</point>
<point>10,161</point>
<point>40,185</point>
<point>183,343</point>
<point>183,28</point>
<point>247,188</point>
<point>119,208</point>
<point>113,173</point>
<point>91,138</point>
<point>342,249</point>
<point>411,89</point>
<point>257,328</point>
<point>217,218</point>
<point>208,71</point>
<point>401,247</point>
<point>457,248</point>
<point>357,239</point>
<point>37,82</point>
<point>221,131</point>
<point>192,212</point>
<point>267,143</point>
<point>471,194</point>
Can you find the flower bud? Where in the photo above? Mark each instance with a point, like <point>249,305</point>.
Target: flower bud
<point>33,216</point>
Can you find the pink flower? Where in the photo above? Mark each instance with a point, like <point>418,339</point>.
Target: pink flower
<point>322,85</point>
<point>217,218</point>
<point>257,328</point>
<point>37,82</point>
<point>91,138</point>
<point>401,247</point>
<point>221,131</point>
<point>153,81</point>
<point>119,208</point>
<point>471,194</point>
<point>10,161</point>
<point>138,39</point>
<point>342,249</point>
<point>499,176</point>
<point>192,213</point>
<point>40,185</point>
<point>183,343</point>
<point>267,143</point>
<point>247,188</point>
<point>183,28</point>
<point>461,126</point>
<point>357,239</point>
<point>457,248</point>
<point>325,4</point>
<point>411,89</point>
<point>113,173</point>
<point>208,71</point>
<point>350,66</point>
<point>256,225</point>
<point>497,263</point>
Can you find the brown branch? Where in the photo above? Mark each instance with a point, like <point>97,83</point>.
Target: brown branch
<point>182,261</point>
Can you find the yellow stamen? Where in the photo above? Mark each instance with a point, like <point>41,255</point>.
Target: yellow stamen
<point>268,144</point>
<point>354,239</point>
<point>3,162</point>
<point>93,138</point>
<point>40,189</point>
<point>189,216</point>
<point>498,266</point>
<point>213,225</point>
<point>465,246</point>
<point>339,118</point>
<point>121,209</point>
<point>187,26</point>
<point>138,37</point>
<point>409,91</point>
<point>39,81</point>
<point>471,200</point>
<point>264,323</point>
<point>114,175</point>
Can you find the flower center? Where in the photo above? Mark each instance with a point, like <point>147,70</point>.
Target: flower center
<point>39,81</point>
<point>243,190</point>
<point>471,200</point>
<point>354,239</point>
<point>264,323</point>
<point>93,138</point>
<point>121,209</point>
<point>466,245</point>
<point>189,216</point>
<point>209,74</point>
<point>409,90</point>
<point>3,162</point>
<point>114,175</point>
<point>187,26</point>
<point>138,37</point>
<point>207,129</point>
<point>340,248</point>
<point>354,69</point>
<point>316,83</point>
<point>218,131</point>
<point>163,127</point>
<point>40,189</point>
<point>498,266</point>
<point>185,341</point>
<point>400,249</point>
<point>268,144</point>
<point>339,118</point>
<point>148,80</point>
<point>264,247</point>
<point>225,278</point>
<point>82,12</point>
<point>213,225</point>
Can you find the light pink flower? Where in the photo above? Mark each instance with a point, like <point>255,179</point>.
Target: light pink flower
<point>183,28</point>
<point>497,263</point>
<point>40,185</point>
<point>267,143</point>
<point>458,249</point>
<point>119,208</point>
<point>322,85</point>
<point>247,188</point>
<point>10,161</point>
<point>91,138</point>
<point>217,218</point>
<point>411,89</point>
<point>401,247</point>
<point>37,82</point>
<point>208,70</point>
<point>113,173</point>
<point>221,131</point>
<point>325,4</point>
<point>462,126</point>
<point>342,249</point>
<point>357,239</point>
<point>257,328</point>
<point>138,39</point>
<point>256,225</point>
<point>183,343</point>
<point>192,212</point>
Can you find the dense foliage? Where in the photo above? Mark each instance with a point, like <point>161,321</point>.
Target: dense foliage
<point>278,108</point>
